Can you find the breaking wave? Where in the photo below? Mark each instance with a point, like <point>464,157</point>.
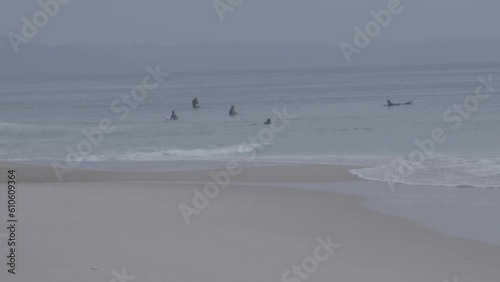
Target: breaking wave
<point>178,154</point>
<point>440,171</point>
<point>30,131</point>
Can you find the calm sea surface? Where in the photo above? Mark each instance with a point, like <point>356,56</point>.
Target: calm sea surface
<point>340,119</point>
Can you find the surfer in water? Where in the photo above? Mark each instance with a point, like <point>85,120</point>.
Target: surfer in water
<point>195,103</point>
<point>174,116</point>
<point>390,104</point>
<point>268,121</point>
<point>232,111</point>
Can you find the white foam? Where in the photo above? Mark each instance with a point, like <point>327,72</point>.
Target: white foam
<point>178,154</point>
<point>456,171</point>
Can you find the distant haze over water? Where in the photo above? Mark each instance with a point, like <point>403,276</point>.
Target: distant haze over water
<point>218,56</point>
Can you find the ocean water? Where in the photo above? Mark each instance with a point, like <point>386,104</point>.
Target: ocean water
<point>340,118</point>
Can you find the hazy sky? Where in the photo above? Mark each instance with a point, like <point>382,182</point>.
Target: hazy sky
<point>174,22</point>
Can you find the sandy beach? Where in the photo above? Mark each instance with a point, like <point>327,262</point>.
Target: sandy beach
<point>101,226</point>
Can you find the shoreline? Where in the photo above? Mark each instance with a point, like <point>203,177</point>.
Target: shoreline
<point>474,173</point>
<point>292,173</point>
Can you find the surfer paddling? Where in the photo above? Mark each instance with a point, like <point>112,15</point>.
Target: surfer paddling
<point>390,104</point>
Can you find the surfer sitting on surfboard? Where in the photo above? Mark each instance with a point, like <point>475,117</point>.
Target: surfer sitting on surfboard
<point>195,103</point>
<point>174,116</point>
<point>232,111</point>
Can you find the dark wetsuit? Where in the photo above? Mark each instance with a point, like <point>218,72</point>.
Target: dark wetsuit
<point>232,112</point>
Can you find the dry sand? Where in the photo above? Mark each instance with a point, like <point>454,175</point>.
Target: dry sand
<point>97,222</point>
